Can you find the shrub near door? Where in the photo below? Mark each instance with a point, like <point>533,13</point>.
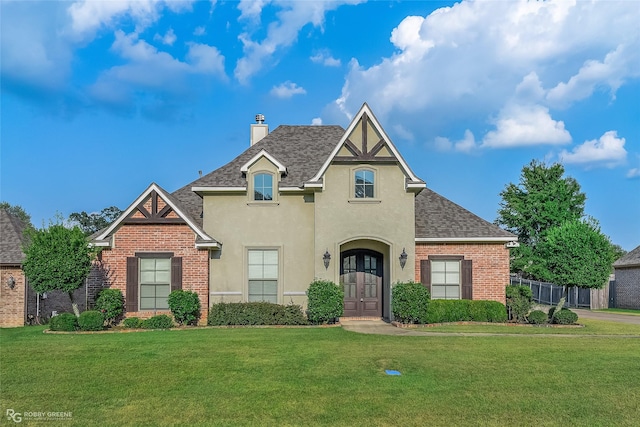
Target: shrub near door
<point>410,302</point>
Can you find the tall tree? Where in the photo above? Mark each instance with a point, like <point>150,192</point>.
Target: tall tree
<point>57,258</point>
<point>576,254</point>
<point>91,223</point>
<point>543,199</point>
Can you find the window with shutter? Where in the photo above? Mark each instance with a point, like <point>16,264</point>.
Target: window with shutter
<point>150,279</point>
<point>447,277</point>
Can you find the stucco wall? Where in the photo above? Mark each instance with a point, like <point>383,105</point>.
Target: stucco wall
<point>176,238</point>
<point>240,224</point>
<point>12,300</point>
<point>490,265</point>
<point>388,218</point>
<point>628,288</point>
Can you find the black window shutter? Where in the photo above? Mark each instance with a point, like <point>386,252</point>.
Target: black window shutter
<point>467,279</point>
<point>425,273</point>
<point>176,273</point>
<point>132,284</point>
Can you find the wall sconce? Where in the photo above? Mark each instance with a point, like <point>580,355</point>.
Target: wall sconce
<point>11,282</point>
<point>403,258</point>
<point>326,258</point>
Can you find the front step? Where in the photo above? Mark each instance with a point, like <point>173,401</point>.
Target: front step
<point>372,318</point>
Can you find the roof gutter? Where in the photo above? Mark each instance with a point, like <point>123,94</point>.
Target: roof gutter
<point>466,239</point>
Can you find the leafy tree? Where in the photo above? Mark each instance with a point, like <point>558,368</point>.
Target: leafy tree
<point>541,200</point>
<point>91,223</point>
<point>17,211</point>
<point>57,258</point>
<point>576,253</point>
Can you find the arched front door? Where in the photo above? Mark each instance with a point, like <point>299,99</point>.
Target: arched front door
<point>361,278</point>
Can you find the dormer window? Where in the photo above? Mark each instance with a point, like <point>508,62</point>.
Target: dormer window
<point>364,184</point>
<point>263,187</point>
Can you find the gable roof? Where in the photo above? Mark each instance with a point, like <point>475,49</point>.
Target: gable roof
<point>203,240</point>
<point>365,117</point>
<point>630,259</point>
<point>11,239</point>
<point>438,219</point>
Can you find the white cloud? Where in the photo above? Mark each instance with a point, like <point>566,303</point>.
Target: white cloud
<point>282,33</point>
<point>633,173</point>
<point>152,71</point>
<point>316,121</point>
<point>519,125</point>
<point>466,145</point>
<point>199,31</point>
<point>324,57</point>
<point>287,90</point>
<point>472,61</point>
<point>608,151</point>
<point>169,38</point>
<point>611,72</point>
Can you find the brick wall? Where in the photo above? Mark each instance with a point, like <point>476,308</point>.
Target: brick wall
<point>176,238</point>
<point>490,265</point>
<point>628,288</point>
<point>11,300</point>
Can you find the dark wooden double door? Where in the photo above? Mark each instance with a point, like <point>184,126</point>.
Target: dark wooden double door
<point>361,278</point>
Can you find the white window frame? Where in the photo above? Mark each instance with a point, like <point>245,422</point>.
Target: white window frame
<point>156,284</point>
<point>265,272</point>
<point>447,275</point>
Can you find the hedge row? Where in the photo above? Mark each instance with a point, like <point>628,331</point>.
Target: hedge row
<point>461,310</point>
<point>255,313</point>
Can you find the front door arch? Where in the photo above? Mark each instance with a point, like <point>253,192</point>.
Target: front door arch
<point>361,274</point>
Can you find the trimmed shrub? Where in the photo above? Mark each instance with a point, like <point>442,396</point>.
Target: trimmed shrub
<point>564,317</point>
<point>325,301</point>
<point>410,302</point>
<point>132,323</point>
<point>110,303</point>
<point>519,302</point>
<point>537,317</point>
<point>255,313</point>
<point>91,320</point>
<point>64,322</point>
<point>161,321</point>
<point>443,311</point>
<point>185,306</point>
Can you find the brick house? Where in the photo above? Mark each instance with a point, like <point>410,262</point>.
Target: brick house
<point>12,281</point>
<point>627,289</point>
<point>303,203</point>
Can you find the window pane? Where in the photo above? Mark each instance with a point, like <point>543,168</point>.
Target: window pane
<point>255,257</point>
<point>255,272</point>
<point>437,266</point>
<point>270,257</point>
<point>453,277</point>
<point>263,187</point>
<point>163,277</point>
<point>147,291</point>
<point>162,291</point>
<point>452,292</point>
<point>147,276</point>
<point>270,272</point>
<point>147,303</point>
<point>437,278</point>
<point>437,291</point>
<point>368,191</point>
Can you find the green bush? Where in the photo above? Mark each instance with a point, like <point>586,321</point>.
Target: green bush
<point>325,301</point>
<point>410,302</point>
<point>564,317</point>
<point>110,303</point>
<point>91,320</point>
<point>255,313</point>
<point>519,302</point>
<point>132,323</point>
<point>537,317</point>
<point>161,321</point>
<point>64,322</point>
<point>443,311</point>
<point>185,306</point>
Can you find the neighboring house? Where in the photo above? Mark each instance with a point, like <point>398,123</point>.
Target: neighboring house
<point>12,280</point>
<point>627,288</point>
<point>303,203</point>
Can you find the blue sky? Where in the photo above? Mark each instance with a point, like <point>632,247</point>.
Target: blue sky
<point>101,98</point>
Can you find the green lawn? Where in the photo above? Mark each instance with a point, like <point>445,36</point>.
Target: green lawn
<point>591,327</point>
<point>319,376</point>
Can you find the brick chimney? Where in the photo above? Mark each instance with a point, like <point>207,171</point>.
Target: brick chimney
<point>259,130</point>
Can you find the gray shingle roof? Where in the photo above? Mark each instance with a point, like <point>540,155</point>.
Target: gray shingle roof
<point>630,259</point>
<point>301,149</point>
<point>11,239</point>
<point>440,218</point>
